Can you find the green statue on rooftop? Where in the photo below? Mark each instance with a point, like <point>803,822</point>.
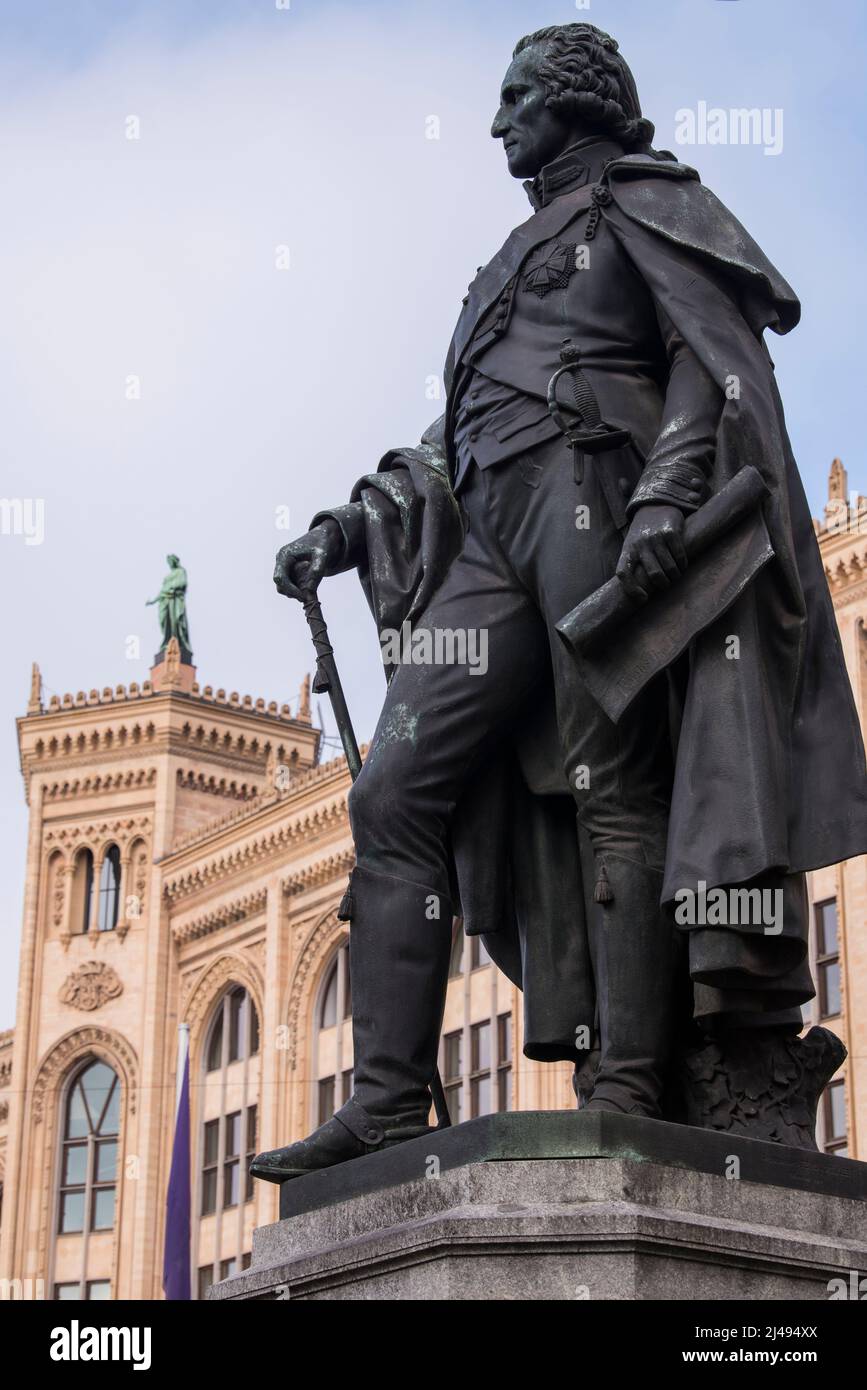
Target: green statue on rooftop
<point>172,603</point>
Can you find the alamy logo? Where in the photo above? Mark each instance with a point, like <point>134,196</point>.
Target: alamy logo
<point>714,125</point>
<point>23,516</point>
<point>76,1343</point>
<point>436,646</point>
<point>730,907</point>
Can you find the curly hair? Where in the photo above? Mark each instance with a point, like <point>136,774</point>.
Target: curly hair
<point>586,76</point>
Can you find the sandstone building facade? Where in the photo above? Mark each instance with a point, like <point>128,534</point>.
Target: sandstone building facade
<point>187,853</point>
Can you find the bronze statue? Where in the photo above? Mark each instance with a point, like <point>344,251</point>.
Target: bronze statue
<point>172,611</point>
<point>607,377</point>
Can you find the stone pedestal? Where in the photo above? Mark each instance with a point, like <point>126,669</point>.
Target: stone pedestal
<point>553,1205</point>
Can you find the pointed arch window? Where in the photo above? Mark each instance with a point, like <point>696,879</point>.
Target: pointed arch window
<point>109,889</point>
<point>88,1174</point>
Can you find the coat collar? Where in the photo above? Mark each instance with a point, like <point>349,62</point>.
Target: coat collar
<point>581,163</point>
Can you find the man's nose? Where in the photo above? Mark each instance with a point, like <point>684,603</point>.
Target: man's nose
<point>499,125</point>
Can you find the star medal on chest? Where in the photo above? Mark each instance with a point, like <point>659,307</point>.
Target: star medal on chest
<point>549,268</point>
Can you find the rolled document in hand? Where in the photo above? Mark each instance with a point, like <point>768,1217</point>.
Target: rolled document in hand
<point>598,616</point>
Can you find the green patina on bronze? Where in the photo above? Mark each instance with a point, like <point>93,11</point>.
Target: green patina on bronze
<point>172,610</point>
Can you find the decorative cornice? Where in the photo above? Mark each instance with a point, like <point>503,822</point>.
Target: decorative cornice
<point>239,858</point>
<point>323,871</point>
<point>100,783</point>
<point>192,780</point>
<point>121,694</point>
<point>238,910</point>
<point>123,831</point>
<point>262,801</point>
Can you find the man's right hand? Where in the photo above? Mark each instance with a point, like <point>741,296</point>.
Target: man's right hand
<point>303,563</point>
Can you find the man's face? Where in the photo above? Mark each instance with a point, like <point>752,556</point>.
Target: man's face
<point>531,134</point>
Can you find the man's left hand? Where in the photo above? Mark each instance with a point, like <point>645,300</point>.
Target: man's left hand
<point>653,554</point>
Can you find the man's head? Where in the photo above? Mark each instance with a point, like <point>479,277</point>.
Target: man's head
<point>565,83</point>
<point>172,561</point>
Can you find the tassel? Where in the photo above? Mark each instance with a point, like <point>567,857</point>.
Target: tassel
<point>347,905</point>
<point>603,893</point>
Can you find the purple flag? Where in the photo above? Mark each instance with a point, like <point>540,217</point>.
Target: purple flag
<point>176,1261</point>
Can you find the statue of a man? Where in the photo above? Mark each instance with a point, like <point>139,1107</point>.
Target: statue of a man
<point>172,609</point>
<point>739,767</point>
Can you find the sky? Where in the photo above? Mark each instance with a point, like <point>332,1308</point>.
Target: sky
<point>227,319</point>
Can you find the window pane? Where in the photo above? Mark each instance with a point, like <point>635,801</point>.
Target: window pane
<point>212,1134</point>
<point>826,928</point>
<point>109,890</point>
<point>254,1029</point>
<point>326,1099</point>
<point>481,1036</point>
<point>215,1046</point>
<point>75,1165</point>
<point>233,1134</point>
<point>84,865</point>
<point>453,1049</point>
<point>347,1083</point>
<point>251,1128</point>
<point>206,1279</point>
<point>830,1002</point>
<point>71,1212</point>
<point>504,1027</point>
<point>106,1161</point>
<point>347,997</point>
<point>328,1012</point>
<point>228,1268</point>
<point>110,1122</point>
<point>67,1292</point>
<point>835,1112</point>
<point>455,1103</point>
<point>231,1174</point>
<point>103,1209</point>
<point>245,1259</point>
<point>456,960</point>
<point>96,1083</point>
<point>481,1096</point>
<point>478,953</point>
<point>237,1013</point>
<point>98,1289</point>
<point>504,1093</point>
<point>209,1191</point>
<point>77,1122</point>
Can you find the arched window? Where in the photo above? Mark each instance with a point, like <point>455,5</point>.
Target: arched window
<point>331,989</point>
<point>109,889</point>
<point>228,1138</point>
<point>234,1032</point>
<point>89,1168</point>
<point>82,892</point>
<point>333,1044</point>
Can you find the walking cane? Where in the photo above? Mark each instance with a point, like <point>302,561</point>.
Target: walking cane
<point>327,682</point>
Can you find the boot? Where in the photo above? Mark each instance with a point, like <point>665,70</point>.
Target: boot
<point>399,947</point>
<point>634,953</point>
